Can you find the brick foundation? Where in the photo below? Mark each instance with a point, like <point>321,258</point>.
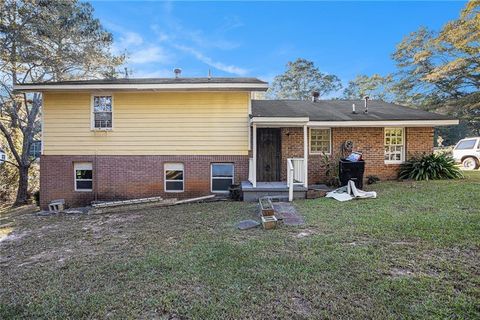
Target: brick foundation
<point>127,177</point>
<point>369,141</point>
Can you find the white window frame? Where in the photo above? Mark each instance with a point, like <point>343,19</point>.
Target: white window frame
<point>165,176</point>
<point>211,176</point>
<point>310,140</point>
<point>402,160</point>
<point>82,166</point>
<point>92,113</point>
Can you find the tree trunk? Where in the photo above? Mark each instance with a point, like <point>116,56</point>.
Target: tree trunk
<point>22,192</point>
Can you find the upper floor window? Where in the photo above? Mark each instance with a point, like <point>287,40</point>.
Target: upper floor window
<point>320,141</point>
<point>102,112</point>
<point>394,145</point>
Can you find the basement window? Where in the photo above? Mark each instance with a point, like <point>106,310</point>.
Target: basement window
<point>174,177</point>
<point>83,176</point>
<point>320,141</point>
<point>222,176</point>
<point>394,145</point>
<point>102,112</point>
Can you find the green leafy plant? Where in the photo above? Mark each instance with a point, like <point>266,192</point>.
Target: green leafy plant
<point>430,167</point>
<point>330,165</point>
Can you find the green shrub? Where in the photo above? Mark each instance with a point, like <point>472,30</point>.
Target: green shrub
<point>330,164</point>
<point>430,167</point>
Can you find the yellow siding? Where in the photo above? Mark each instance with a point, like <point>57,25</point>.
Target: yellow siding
<point>149,123</point>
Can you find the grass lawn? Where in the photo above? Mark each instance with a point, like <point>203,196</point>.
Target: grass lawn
<point>411,253</point>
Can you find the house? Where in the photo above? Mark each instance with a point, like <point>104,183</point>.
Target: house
<point>185,137</point>
<point>3,156</point>
<point>35,149</point>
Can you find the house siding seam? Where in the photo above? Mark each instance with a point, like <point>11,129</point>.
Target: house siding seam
<point>129,177</point>
<point>369,141</point>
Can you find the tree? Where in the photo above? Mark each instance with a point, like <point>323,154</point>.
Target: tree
<point>435,69</point>
<point>43,40</point>
<point>458,46</point>
<point>376,87</point>
<point>301,79</point>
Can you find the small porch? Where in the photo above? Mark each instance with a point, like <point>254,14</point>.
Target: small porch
<point>278,190</point>
<point>275,168</point>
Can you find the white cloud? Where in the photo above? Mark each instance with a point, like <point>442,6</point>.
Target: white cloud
<point>149,54</point>
<point>161,49</point>
<point>161,35</point>
<point>129,38</point>
<point>209,61</point>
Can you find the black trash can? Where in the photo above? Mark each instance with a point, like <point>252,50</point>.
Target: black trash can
<point>351,170</point>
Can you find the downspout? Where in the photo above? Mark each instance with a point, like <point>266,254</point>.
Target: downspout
<point>95,194</point>
<point>305,155</point>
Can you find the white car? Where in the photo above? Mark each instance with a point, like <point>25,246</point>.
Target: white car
<point>467,152</point>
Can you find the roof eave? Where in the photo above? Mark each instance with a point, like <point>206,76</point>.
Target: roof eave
<point>143,87</point>
<point>298,121</point>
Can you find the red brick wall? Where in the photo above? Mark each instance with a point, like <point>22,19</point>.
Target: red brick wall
<point>292,147</point>
<point>369,141</point>
<point>419,140</point>
<point>127,177</point>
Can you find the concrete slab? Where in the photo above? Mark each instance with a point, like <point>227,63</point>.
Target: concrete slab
<point>247,224</point>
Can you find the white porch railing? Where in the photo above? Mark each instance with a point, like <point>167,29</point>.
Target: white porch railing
<point>251,172</point>
<point>295,174</point>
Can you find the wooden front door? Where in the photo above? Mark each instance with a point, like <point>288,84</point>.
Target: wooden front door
<point>268,154</point>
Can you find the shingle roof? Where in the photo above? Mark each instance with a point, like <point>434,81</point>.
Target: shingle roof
<point>340,110</point>
<point>153,81</point>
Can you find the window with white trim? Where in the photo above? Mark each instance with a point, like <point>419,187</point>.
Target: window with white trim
<point>320,141</point>
<point>394,145</point>
<point>222,176</point>
<point>102,112</point>
<point>83,176</point>
<point>174,177</point>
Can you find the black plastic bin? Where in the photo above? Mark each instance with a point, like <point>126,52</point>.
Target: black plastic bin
<point>351,170</point>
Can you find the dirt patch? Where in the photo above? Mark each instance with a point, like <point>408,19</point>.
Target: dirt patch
<point>301,306</point>
<point>308,232</point>
<point>59,257</point>
<point>404,243</point>
<point>303,234</point>
<point>8,235</point>
<point>401,272</point>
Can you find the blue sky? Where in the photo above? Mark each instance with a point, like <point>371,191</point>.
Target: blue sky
<point>259,38</point>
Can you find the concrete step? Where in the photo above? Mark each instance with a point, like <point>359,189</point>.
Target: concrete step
<point>254,195</point>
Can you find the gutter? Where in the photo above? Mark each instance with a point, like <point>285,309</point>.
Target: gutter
<point>300,121</point>
<point>144,87</point>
